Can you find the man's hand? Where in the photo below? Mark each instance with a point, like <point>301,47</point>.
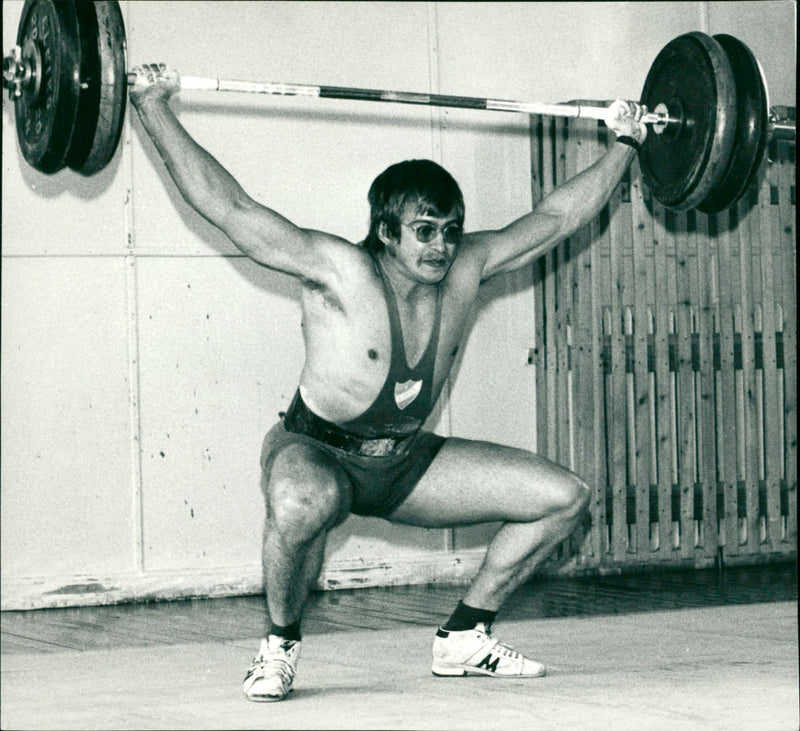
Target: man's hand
<point>624,118</point>
<point>154,81</point>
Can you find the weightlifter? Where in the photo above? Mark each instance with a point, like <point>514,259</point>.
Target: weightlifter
<point>382,321</point>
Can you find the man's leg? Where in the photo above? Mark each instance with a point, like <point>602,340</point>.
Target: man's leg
<point>538,502</point>
<point>307,494</point>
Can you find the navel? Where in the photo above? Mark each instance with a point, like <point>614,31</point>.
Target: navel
<point>373,354</point>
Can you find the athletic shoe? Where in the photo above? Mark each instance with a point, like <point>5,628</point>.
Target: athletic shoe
<point>475,652</point>
<point>271,675</point>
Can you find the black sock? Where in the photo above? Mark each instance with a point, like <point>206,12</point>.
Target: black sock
<point>288,632</point>
<point>466,617</point>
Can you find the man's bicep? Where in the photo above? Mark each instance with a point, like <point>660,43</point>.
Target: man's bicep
<point>518,244</point>
<point>275,242</point>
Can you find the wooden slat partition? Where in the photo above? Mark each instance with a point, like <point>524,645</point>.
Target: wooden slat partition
<point>666,365</point>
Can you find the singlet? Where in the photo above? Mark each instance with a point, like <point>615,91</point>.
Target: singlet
<point>405,400</point>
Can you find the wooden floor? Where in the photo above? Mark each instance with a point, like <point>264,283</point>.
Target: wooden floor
<point>656,650</point>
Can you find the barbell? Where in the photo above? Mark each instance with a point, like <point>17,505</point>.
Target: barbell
<point>704,97</point>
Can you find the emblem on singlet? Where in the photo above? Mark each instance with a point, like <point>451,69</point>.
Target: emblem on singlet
<point>406,392</point>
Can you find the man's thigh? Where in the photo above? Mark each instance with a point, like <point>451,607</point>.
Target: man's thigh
<point>297,470</point>
<point>476,482</point>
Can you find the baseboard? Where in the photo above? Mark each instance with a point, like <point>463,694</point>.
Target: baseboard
<point>44,592</point>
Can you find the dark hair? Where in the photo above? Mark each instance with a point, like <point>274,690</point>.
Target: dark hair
<point>421,182</point>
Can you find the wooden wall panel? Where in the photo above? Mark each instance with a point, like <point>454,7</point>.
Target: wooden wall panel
<point>666,364</point>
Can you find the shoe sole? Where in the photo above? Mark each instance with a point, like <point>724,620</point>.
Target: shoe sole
<point>267,698</point>
<point>459,671</point>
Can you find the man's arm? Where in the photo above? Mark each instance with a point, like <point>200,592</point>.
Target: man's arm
<point>568,208</point>
<point>262,234</point>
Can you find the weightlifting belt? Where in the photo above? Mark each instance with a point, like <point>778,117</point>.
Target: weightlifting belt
<point>299,419</point>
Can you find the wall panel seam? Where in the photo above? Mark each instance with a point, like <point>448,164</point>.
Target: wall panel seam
<point>132,312</point>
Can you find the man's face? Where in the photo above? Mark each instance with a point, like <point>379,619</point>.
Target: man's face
<point>427,245</point>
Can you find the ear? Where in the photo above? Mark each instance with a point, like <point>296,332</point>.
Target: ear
<point>384,236</point>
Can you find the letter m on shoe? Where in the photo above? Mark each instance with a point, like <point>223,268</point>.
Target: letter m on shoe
<point>489,663</point>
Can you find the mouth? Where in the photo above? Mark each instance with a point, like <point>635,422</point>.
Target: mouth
<point>438,263</point>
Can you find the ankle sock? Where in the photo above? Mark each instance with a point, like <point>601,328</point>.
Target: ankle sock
<point>466,617</point>
<point>288,632</point>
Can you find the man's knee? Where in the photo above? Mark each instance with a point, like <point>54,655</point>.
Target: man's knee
<point>574,496</point>
<point>305,494</point>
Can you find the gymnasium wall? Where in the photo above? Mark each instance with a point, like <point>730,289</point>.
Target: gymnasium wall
<point>143,359</point>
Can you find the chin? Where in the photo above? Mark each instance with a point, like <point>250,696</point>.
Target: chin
<point>433,276</point>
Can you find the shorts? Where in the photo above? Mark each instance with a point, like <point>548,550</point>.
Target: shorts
<point>380,484</point>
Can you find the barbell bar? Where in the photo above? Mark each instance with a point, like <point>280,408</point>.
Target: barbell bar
<point>705,99</point>
<point>202,83</point>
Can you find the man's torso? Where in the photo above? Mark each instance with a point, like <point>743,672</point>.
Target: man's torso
<point>347,333</point>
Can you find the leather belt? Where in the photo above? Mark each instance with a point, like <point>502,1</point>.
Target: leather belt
<point>299,419</point>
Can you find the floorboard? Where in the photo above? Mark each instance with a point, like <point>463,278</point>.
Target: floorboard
<point>205,620</point>
<point>678,650</point>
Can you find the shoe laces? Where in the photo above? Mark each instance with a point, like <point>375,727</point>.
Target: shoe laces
<point>507,651</point>
<point>274,662</point>
<point>499,647</point>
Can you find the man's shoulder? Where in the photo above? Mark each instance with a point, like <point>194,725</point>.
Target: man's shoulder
<point>352,258</point>
<point>348,266</point>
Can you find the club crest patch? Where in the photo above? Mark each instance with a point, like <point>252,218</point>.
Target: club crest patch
<point>406,392</point>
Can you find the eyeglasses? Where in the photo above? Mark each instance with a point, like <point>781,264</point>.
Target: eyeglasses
<point>427,232</point>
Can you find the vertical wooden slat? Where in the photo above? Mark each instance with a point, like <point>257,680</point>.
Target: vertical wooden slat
<point>788,229</point>
<point>772,409</point>
<point>664,294</point>
<point>563,318</point>
<point>593,273</point>
<point>705,390</point>
<point>606,295</point>
<point>620,293</point>
<point>643,297</point>
<point>562,310</point>
<point>738,440</point>
<point>687,286</point>
<point>748,376</point>
<point>551,352</point>
<point>539,285</point>
<point>601,284</point>
<point>726,426</point>
<point>756,397</point>
<point>671,497</point>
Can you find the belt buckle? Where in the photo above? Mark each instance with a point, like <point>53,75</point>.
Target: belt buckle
<point>377,447</point>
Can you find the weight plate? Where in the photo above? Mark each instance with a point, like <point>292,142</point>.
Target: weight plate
<point>45,112</point>
<point>752,127</point>
<point>89,103</point>
<point>113,90</point>
<point>692,76</point>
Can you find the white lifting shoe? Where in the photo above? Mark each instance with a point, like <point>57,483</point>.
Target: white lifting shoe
<point>476,652</point>
<point>271,675</point>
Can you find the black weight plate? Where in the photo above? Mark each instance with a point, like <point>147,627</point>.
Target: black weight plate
<point>692,76</point>
<point>752,127</point>
<point>89,103</point>
<point>113,89</point>
<point>45,115</point>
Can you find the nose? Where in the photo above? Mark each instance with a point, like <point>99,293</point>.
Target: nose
<point>437,242</point>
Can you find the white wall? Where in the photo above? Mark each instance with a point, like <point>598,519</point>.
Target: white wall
<point>143,360</point>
